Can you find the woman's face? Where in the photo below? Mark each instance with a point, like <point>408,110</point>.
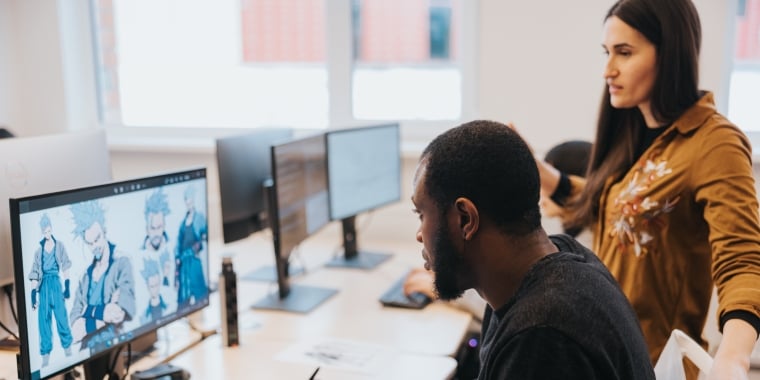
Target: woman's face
<point>631,66</point>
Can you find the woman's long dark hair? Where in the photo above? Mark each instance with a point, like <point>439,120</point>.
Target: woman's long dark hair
<point>673,27</point>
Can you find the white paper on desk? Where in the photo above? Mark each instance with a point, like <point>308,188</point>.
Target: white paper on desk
<point>347,355</point>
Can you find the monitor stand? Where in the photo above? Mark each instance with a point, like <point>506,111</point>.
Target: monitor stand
<point>300,299</point>
<point>353,257</point>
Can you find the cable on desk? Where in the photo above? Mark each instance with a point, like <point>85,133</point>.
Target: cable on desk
<point>4,327</point>
<point>112,367</point>
<point>204,335</point>
<point>129,359</point>
<point>9,293</point>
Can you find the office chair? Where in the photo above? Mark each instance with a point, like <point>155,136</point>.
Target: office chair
<point>4,133</point>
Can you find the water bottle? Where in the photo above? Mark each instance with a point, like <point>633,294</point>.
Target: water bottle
<point>228,300</point>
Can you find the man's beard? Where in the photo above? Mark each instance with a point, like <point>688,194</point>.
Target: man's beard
<point>447,265</point>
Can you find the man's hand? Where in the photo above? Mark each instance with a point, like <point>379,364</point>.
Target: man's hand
<point>34,299</point>
<point>422,281</point>
<point>66,293</point>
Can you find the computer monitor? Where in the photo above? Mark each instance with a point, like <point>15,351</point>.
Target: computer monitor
<point>244,165</point>
<point>364,173</point>
<point>298,208</point>
<point>135,254</point>
<point>41,164</point>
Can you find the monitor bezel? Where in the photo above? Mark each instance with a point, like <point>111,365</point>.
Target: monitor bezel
<point>24,357</point>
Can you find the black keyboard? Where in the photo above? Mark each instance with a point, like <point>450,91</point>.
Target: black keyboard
<point>395,296</point>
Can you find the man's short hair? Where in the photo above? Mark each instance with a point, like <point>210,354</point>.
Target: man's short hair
<point>490,164</point>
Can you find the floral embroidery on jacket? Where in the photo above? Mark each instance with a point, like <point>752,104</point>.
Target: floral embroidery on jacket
<point>635,214</point>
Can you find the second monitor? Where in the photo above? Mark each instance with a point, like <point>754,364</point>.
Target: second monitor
<point>298,208</point>
<point>364,173</point>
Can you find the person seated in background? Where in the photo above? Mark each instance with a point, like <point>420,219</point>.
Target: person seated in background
<point>553,309</point>
<point>571,158</point>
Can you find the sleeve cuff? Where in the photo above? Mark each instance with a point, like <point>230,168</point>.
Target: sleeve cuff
<point>745,316</point>
<point>562,192</point>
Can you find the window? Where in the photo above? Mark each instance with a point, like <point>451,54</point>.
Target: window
<point>248,63</point>
<point>745,77</point>
<point>405,60</point>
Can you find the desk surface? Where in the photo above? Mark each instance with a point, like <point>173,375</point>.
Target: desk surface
<point>263,359</point>
<point>354,312</point>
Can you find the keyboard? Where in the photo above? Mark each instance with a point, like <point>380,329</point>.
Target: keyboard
<point>395,296</point>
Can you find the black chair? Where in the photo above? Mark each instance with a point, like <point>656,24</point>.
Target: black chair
<point>4,133</point>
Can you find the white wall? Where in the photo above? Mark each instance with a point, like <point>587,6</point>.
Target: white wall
<point>6,42</point>
<point>541,64</point>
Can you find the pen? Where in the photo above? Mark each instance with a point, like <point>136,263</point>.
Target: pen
<point>313,375</point>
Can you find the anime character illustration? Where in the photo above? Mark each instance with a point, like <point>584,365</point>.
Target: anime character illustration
<point>192,234</point>
<point>51,264</point>
<point>155,247</point>
<point>156,306</point>
<point>106,296</point>
<point>156,240</point>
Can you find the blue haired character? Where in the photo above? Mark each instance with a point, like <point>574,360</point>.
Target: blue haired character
<point>51,264</point>
<point>156,305</point>
<point>190,280</point>
<point>155,248</point>
<point>106,296</point>
<point>156,240</point>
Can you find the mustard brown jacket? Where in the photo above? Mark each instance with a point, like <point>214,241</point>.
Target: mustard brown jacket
<point>682,219</point>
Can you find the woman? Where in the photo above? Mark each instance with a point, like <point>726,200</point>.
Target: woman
<point>669,193</point>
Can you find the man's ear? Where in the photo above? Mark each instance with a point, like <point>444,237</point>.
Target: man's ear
<point>469,218</point>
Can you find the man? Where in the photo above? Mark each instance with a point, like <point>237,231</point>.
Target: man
<point>554,311</point>
<point>51,263</point>
<point>106,296</point>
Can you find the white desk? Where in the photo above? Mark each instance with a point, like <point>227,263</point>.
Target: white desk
<point>354,312</point>
<point>260,360</point>
<point>7,365</point>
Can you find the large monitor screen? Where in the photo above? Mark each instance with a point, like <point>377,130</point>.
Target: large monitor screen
<point>96,267</point>
<point>364,167</point>
<point>244,164</point>
<point>364,173</point>
<point>43,164</point>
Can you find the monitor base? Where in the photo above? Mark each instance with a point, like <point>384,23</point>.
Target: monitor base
<point>269,273</point>
<point>363,260</point>
<point>301,299</point>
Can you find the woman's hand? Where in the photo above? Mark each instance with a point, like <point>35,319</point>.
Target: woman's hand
<point>549,174</point>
